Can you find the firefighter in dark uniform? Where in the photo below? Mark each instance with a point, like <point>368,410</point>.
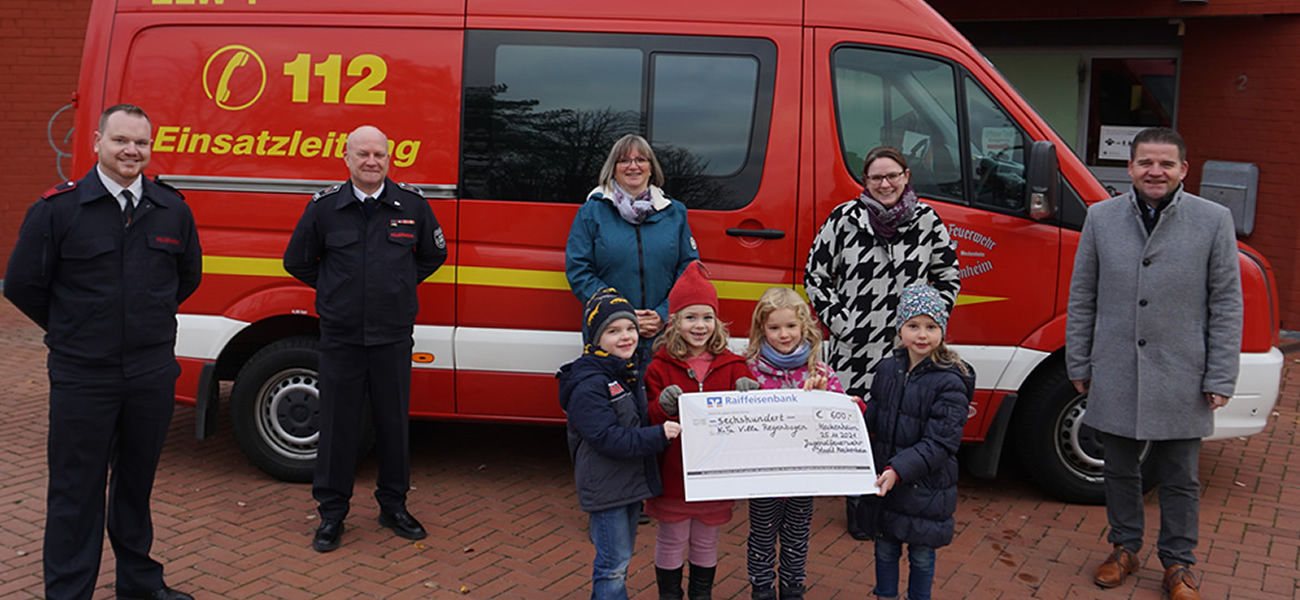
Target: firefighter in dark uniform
<point>365,245</point>
<point>101,265</point>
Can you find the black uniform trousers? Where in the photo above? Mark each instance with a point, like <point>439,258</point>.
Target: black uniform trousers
<point>349,374</point>
<point>96,426</point>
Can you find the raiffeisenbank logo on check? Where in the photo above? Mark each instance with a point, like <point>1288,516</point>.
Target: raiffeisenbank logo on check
<point>749,399</point>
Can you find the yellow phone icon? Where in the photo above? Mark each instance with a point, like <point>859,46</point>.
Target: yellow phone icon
<point>223,88</point>
<point>238,56</point>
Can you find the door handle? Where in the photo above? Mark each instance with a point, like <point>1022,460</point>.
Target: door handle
<point>767,234</point>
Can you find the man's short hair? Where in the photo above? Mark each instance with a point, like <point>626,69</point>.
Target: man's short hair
<point>129,109</point>
<point>1158,135</point>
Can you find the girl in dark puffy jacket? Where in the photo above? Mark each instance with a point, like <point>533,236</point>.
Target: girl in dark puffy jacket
<point>918,406</point>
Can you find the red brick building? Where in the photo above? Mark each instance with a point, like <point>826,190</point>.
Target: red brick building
<point>1225,73</point>
<point>40,46</point>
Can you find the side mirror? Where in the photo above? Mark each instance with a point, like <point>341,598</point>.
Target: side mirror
<point>1043,180</point>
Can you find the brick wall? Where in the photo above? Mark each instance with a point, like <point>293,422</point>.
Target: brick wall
<point>1257,121</point>
<point>40,54</point>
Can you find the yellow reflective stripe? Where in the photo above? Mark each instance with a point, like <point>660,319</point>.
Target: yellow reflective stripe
<point>747,290</point>
<point>515,278</point>
<point>530,279</point>
<point>239,265</point>
<point>274,267</point>
<point>964,299</point>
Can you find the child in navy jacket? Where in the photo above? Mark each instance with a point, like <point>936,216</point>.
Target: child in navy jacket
<point>611,441</point>
<point>915,414</point>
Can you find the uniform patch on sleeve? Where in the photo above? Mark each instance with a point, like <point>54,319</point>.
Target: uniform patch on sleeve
<point>615,389</point>
<point>693,244</point>
<point>66,186</point>
<point>439,239</point>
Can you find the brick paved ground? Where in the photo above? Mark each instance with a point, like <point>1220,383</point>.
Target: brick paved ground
<point>504,523</point>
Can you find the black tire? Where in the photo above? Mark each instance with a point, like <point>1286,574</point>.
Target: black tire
<point>1059,453</point>
<point>275,409</point>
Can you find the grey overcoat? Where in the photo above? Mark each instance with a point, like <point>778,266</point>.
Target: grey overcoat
<point>1155,321</point>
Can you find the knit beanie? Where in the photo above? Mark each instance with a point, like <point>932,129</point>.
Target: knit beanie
<point>692,288</point>
<point>604,307</point>
<point>922,300</point>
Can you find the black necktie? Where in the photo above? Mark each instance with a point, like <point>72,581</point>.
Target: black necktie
<point>368,205</point>
<point>128,207</point>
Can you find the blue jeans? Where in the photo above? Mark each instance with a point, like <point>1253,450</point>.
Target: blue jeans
<point>920,577</point>
<point>613,531</point>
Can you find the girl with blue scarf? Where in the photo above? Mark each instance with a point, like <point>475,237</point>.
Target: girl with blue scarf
<point>784,353</point>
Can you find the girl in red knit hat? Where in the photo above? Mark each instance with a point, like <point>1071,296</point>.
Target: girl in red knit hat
<point>691,356</point>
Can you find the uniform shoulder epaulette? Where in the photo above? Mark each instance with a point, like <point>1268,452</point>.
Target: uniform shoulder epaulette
<point>410,188</point>
<point>333,189</point>
<point>66,186</point>
<point>167,186</point>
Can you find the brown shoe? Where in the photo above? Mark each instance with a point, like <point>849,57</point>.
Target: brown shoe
<point>1120,565</point>
<point>1180,584</point>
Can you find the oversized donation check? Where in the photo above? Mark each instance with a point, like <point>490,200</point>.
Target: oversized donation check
<point>774,443</point>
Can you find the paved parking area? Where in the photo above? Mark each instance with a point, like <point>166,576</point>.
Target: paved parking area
<point>498,501</point>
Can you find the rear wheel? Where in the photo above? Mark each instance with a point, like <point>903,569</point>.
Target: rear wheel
<point>1060,454</point>
<point>275,409</point>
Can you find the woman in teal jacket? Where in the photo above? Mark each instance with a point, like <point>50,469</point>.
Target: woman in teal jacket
<point>629,236</point>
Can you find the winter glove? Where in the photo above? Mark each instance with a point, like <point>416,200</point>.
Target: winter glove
<point>668,399</point>
<point>745,384</point>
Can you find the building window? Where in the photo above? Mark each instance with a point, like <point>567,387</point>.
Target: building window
<point>1127,95</point>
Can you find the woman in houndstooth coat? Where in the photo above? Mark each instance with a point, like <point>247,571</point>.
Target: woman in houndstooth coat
<point>867,251</point>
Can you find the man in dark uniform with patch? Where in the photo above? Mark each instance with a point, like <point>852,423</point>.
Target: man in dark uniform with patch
<point>365,245</point>
<point>101,265</point>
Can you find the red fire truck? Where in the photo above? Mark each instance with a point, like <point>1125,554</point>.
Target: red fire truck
<point>502,111</point>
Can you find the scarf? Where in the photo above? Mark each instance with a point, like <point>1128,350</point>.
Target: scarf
<point>797,358</point>
<point>886,221</point>
<point>633,210</point>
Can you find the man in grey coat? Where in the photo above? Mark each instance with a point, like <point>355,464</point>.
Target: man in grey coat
<point>1153,337</point>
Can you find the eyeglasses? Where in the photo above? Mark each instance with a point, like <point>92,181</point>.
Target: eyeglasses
<point>891,177</point>
<point>640,161</point>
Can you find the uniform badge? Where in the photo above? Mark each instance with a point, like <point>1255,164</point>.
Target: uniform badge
<point>439,239</point>
<point>615,388</point>
<point>399,222</point>
<point>693,244</point>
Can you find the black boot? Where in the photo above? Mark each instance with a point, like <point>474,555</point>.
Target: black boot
<point>792,592</point>
<point>763,593</point>
<point>670,583</point>
<point>701,584</point>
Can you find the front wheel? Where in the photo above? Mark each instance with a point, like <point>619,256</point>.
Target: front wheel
<point>1060,454</point>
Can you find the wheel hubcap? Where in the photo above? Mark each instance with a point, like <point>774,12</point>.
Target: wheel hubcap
<point>1079,446</point>
<point>288,413</point>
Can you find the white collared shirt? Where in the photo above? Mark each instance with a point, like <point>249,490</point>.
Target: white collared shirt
<point>361,196</point>
<point>136,187</point>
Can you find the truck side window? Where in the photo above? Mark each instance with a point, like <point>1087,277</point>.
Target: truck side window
<point>538,122</point>
<point>701,132</point>
<point>997,152</point>
<point>885,98</point>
